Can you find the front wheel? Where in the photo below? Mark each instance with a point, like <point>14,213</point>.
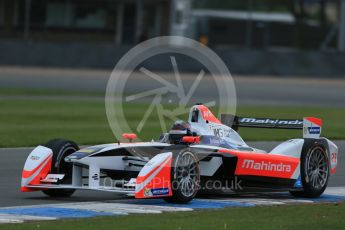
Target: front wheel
<point>314,172</point>
<point>61,148</point>
<point>185,178</point>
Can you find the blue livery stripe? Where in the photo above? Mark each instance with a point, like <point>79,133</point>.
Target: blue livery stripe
<point>54,212</point>
<point>194,204</point>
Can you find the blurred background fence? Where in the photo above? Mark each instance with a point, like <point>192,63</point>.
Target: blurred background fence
<point>299,37</point>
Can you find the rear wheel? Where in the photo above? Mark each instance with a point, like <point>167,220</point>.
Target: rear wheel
<point>61,148</point>
<point>185,178</point>
<point>314,172</point>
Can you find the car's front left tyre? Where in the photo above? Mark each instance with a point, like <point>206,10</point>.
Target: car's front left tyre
<point>61,148</point>
<point>185,178</point>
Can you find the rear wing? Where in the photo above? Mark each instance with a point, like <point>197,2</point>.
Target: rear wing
<point>311,126</point>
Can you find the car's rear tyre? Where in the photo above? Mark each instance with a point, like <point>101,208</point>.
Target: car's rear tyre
<point>185,178</point>
<point>61,148</point>
<point>314,171</point>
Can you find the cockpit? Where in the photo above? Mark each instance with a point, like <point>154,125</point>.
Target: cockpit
<point>204,124</point>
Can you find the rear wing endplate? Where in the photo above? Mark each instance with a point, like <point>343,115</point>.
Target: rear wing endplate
<point>311,126</point>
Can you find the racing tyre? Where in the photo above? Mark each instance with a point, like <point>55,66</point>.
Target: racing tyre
<point>185,178</point>
<point>61,148</point>
<point>314,171</point>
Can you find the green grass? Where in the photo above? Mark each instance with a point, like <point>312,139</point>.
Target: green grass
<point>28,122</point>
<point>325,216</point>
<point>32,122</point>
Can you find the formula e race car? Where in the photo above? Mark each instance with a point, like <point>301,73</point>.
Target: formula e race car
<point>201,154</point>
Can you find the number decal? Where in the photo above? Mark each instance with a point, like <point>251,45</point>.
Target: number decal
<point>334,158</point>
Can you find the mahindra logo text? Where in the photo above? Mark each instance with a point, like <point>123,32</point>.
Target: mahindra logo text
<point>280,167</point>
<point>271,121</point>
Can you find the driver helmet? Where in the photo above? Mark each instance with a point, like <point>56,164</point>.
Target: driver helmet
<point>178,131</point>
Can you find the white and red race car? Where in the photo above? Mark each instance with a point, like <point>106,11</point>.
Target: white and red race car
<point>199,155</point>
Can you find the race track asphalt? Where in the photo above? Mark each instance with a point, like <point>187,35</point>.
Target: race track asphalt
<point>12,162</point>
<point>251,90</point>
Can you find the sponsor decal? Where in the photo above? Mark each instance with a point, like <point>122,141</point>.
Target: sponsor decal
<point>220,130</point>
<point>156,192</point>
<point>160,191</point>
<point>87,151</point>
<point>221,133</point>
<point>270,121</point>
<point>314,130</point>
<point>334,158</point>
<point>266,166</point>
<point>263,164</point>
<point>34,158</point>
<point>206,114</point>
<point>53,178</point>
<point>95,176</point>
<point>147,192</point>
